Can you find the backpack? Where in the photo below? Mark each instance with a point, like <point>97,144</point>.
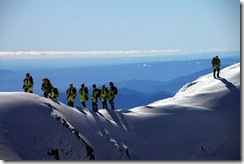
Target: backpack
<point>115,90</point>
<point>55,90</point>
<point>31,80</point>
<point>49,83</point>
<point>86,90</point>
<point>106,90</point>
<point>99,92</point>
<point>74,90</point>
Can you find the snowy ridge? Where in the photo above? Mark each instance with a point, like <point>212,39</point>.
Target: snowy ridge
<point>205,87</point>
<point>201,122</point>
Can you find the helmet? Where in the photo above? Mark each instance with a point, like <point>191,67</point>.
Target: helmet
<point>71,85</point>
<point>44,80</point>
<point>27,74</point>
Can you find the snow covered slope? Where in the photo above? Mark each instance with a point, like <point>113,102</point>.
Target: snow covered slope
<point>201,122</point>
<point>30,129</point>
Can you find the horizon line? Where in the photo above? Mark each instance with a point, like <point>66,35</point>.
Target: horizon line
<point>104,53</point>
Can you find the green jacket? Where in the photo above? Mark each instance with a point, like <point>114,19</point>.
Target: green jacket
<point>28,83</point>
<point>111,93</point>
<point>84,94</point>
<point>71,94</point>
<point>104,94</point>
<point>54,94</point>
<point>95,94</point>
<point>215,63</point>
<point>47,86</point>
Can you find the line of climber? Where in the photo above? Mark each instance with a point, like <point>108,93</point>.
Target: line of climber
<point>104,94</point>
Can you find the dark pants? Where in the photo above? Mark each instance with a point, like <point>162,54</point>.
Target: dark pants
<point>214,72</point>
<point>94,107</point>
<point>71,104</point>
<point>46,94</point>
<point>83,104</point>
<point>111,102</point>
<point>105,105</point>
<point>26,90</point>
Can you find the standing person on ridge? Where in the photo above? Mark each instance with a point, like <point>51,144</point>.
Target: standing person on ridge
<point>84,95</point>
<point>95,96</point>
<point>46,87</point>
<point>104,96</point>
<point>28,83</point>
<point>216,66</point>
<point>111,94</point>
<point>71,94</point>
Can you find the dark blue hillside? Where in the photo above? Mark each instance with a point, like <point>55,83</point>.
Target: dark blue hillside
<point>171,87</point>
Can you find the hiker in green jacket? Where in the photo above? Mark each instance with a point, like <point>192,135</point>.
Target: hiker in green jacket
<point>104,96</point>
<point>216,66</point>
<point>46,87</point>
<point>28,83</point>
<point>111,94</point>
<point>84,95</point>
<point>54,94</point>
<point>71,94</point>
<point>95,95</point>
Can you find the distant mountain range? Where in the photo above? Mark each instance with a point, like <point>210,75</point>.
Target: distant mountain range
<point>150,86</point>
<point>138,83</point>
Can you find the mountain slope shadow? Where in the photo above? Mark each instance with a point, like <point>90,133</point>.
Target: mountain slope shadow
<point>229,85</point>
<point>104,124</point>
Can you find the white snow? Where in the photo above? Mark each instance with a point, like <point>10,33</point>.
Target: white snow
<point>201,122</point>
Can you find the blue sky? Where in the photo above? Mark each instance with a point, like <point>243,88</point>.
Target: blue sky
<point>112,25</point>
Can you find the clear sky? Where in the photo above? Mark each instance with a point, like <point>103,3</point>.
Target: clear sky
<point>111,25</point>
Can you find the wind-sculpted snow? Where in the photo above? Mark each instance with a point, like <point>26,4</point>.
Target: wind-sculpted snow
<point>30,130</point>
<point>201,122</point>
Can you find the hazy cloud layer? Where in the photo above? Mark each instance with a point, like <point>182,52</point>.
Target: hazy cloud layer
<point>117,53</point>
<point>110,53</point>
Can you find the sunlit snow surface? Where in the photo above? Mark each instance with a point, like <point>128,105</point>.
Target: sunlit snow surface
<point>201,122</point>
